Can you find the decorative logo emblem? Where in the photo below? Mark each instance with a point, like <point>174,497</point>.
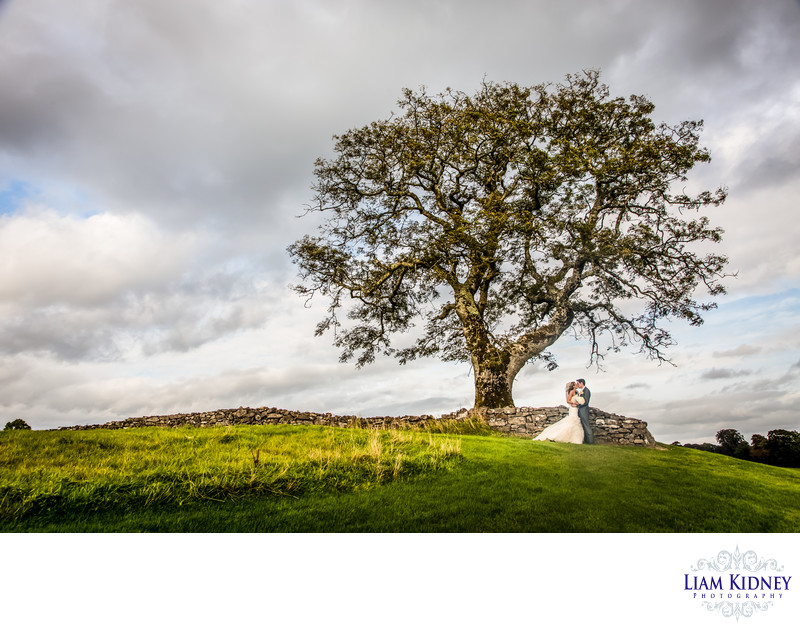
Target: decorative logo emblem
<point>737,584</point>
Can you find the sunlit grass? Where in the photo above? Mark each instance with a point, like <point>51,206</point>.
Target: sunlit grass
<point>57,472</point>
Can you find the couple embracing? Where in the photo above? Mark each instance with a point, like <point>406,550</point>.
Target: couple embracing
<point>573,428</point>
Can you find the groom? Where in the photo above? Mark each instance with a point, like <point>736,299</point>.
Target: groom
<point>583,411</point>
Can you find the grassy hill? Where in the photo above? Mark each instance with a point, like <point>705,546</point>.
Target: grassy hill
<point>321,479</point>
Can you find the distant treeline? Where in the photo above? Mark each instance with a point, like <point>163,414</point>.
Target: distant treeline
<point>781,447</point>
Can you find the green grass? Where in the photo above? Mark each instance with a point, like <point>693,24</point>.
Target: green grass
<point>314,479</point>
<point>49,475</point>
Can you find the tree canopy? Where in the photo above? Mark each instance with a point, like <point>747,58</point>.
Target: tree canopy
<point>502,220</point>
<point>16,424</point>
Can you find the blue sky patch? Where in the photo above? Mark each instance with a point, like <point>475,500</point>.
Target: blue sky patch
<point>14,194</point>
<point>67,200</point>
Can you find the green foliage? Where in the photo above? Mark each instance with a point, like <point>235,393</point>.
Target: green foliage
<point>783,448</point>
<point>743,451</point>
<point>758,441</point>
<point>501,220</point>
<point>758,449</point>
<point>17,424</point>
<point>53,473</point>
<point>730,442</point>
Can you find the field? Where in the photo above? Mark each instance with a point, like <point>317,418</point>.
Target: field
<point>321,479</point>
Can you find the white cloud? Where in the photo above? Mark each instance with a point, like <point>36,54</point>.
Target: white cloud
<point>48,259</point>
<point>106,285</point>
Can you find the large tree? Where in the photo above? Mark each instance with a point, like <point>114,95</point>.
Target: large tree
<point>502,220</point>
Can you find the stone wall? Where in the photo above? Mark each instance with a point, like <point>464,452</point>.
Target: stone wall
<point>260,416</point>
<point>608,428</point>
<point>524,422</point>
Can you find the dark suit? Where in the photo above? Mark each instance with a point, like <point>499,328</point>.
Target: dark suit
<point>583,414</point>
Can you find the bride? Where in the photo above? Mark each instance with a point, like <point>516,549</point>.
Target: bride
<point>568,429</point>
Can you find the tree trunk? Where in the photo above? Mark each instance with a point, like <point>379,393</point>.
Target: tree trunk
<point>492,386</point>
<point>493,380</point>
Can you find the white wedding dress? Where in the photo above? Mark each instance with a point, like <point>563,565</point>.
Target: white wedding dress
<point>567,430</point>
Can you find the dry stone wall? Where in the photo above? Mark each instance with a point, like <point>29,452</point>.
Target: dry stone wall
<point>524,422</point>
<point>608,428</point>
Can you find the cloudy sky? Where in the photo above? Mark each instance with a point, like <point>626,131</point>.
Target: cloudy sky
<point>155,157</point>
